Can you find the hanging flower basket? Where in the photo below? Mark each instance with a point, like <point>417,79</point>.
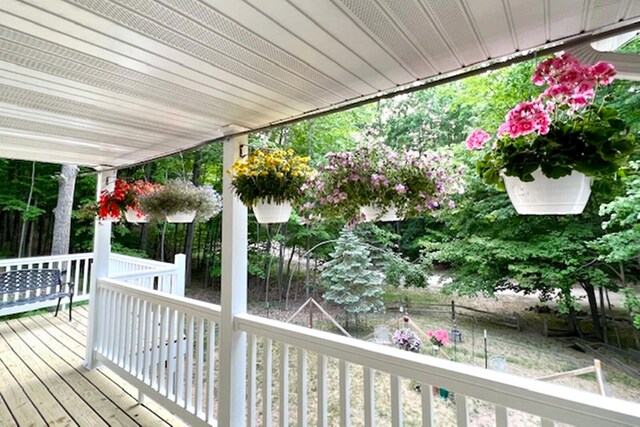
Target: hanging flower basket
<point>274,175</point>
<point>374,213</point>
<point>545,196</point>
<point>182,202</point>
<point>272,213</point>
<point>181,217</point>
<point>567,128</point>
<point>136,216</point>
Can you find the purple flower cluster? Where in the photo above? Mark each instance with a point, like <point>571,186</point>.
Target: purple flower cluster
<point>375,174</point>
<point>408,340</point>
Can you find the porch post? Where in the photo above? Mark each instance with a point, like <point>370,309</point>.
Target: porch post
<point>232,397</point>
<point>100,267</point>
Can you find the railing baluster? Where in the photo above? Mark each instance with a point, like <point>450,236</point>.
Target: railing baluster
<point>171,358</point>
<point>180,360</point>
<point>112,324</point>
<point>211,373</point>
<point>345,394</point>
<point>426,390</point>
<point>284,385</point>
<point>396,401</point>
<point>502,418</point>
<point>462,415</point>
<point>164,347</point>
<point>142,326</point>
<point>148,345</point>
<point>189,378</point>
<point>76,274</point>
<point>199,365</point>
<point>128,332</point>
<point>252,362</point>
<point>369,397</point>
<point>85,277</point>
<point>135,330</point>
<point>302,387</point>
<point>266,383</point>
<point>119,324</point>
<point>155,345</point>
<point>323,393</point>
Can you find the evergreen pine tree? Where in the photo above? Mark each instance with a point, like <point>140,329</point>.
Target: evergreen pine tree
<point>350,279</point>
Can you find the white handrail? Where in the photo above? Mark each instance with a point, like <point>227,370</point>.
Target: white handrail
<point>144,273</point>
<point>139,261</point>
<point>42,259</point>
<point>550,401</point>
<point>198,308</point>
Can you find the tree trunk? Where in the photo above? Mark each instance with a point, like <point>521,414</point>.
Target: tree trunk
<point>573,321</point>
<point>188,243</point>
<point>23,231</point>
<point>63,210</point>
<point>603,313</point>
<point>593,306</point>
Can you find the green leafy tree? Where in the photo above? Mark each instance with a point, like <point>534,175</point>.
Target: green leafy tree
<point>349,278</point>
<point>619,248</point>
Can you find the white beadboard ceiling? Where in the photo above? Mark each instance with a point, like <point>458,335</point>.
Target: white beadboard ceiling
<point>118,82</point>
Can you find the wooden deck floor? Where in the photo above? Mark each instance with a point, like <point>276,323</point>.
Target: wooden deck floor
<point>43,382</point>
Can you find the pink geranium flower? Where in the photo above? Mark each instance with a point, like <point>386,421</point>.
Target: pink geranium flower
<point>476,140</point>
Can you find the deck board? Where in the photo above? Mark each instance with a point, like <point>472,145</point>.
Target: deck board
<point>74,341</point>
<point>44,381</point>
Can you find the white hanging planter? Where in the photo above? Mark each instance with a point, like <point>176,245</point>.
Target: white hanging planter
<point>374,213</point>
<point>110,219</point>
<point>272,213</point>
<point>546,196</point>
<point>133,217</point>
<point>181,217</point>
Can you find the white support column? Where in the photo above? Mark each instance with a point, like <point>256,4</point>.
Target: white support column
<point>232,400</point>
<point>180,261</point>
<point>100,268</point>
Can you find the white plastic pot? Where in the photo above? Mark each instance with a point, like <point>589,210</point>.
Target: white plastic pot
<point>132,216</point>
<point>271,213</point>
<point>546,196</point>
<point>374,213</point>
<point>110,219</point>
<point>181,217</point>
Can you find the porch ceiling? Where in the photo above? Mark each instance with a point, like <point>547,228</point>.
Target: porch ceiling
<point>117,82</point>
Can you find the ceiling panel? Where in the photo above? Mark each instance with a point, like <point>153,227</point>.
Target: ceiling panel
<point>117,82</point>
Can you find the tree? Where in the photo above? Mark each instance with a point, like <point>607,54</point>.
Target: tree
<point>63,210</point>
<point>349,278</point>
<point>619,248</point>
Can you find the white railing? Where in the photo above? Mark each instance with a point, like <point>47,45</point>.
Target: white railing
<point>150,274</point>
<point>160,276</point>
<point>162,344</point>
<point>127,264</point>
<point>76,266</point>
<point>343,359</point>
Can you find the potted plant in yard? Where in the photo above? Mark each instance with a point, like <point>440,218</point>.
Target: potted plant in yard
<point>182,202</point>
<point>550,149</point>
<point>123,200</point>
<point>375,182</point>
<point>269,181</point>
<point>438,338</point>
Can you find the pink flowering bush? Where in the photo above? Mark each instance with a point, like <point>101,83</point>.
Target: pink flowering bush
<point>567,127</point>
<point>375,174</point>
<point>439,337</point>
